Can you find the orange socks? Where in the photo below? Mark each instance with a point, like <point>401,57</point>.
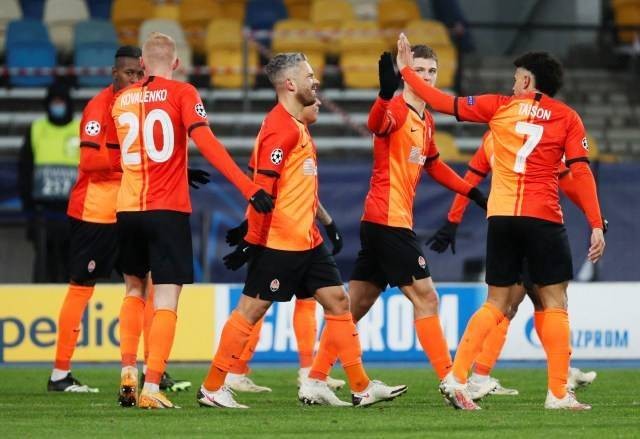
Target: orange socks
<point>434,344</point>
<point>556,342</point>
<point>341,336</point>
<point>491,348</point>
<point>324,360</point>
<point>149,311</point>
<point>305,328</point>
<point>241,366</point>
<point>235,335</point>
<point>131,321</point>
<point>538,321</point>
<point>479,326</point>
<point>69,320</point>
<point>163,330</point>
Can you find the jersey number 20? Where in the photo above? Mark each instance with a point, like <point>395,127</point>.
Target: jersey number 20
<point>157,155</point>
<point>534,134</point>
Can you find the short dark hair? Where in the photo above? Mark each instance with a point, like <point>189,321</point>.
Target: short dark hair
<point>424,51</point>
<point>281,62</point>
<point>128,52</point>
<point>545,68</point>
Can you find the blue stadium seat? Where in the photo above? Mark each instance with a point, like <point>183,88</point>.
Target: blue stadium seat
<point>100,8</point>
<point>94,55</point>
<point>263,14</point>
<point>94,31</point>
<point>26,30</point>
<point>31,54</point>
<point>32,9</point>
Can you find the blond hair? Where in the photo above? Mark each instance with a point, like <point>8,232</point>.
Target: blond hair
<point>159,50</point>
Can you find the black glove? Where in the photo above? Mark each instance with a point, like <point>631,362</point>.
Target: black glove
<point>335,237</point>
<point>605,225</point>
<point>262,201</point>
<point>443,237</point>
<point>389,79</point>
<point>235,235</point>
<point>478,197</point>
<point>197,176</point>
<point>239,256</point>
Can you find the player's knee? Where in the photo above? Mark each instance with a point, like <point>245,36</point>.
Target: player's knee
<point>338,303</point>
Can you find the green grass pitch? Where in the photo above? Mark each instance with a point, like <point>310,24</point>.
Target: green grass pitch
<point>27,410</point>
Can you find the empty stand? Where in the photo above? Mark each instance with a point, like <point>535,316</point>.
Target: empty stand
<point>95,44</point>
<point>28,46</point>
<point>127,18</point>
<point>195,15</point>
<point>294,35</point>
<point>360,47</point>
<point>9,11</point>
<point>61,17</point>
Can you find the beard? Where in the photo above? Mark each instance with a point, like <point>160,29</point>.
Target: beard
<point>306,98</point>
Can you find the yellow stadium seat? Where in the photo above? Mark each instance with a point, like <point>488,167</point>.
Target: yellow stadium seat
<point>447,147</point>
<point>361,36</point>
<point>233,9</point>
<point>627,14</point>
<point>447,65</point>
<point>227,70</point>
<point>195,15</point>
<point>327,17</point>
<point>127,19</point>
<point>429,32</point>
<point>170,11</point>
<point>294,35</point>
<point>393,15</point>
<point>360,70</point>
<point>224,33</point>
<point>299,9</point>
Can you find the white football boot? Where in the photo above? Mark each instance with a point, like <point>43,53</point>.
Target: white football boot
<point>314,392</point>
<point>457,394</point>
<point>504,391</point>
<point>479,388</point>
<point>578,378</point>
<point>333,383</point>
<point>376,391</point>
<point>242,383</point>
<point>221,398</point>
<point>569,402</point>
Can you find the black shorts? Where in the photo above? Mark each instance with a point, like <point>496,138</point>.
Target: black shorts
<point>544,245</point>
<point>93,250</point>
<point>158,241</point>
<point>278,275</point>
<point>389,256</point>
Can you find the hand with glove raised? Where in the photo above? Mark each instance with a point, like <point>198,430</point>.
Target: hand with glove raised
<point>389,79</point>
<point>444,237</point>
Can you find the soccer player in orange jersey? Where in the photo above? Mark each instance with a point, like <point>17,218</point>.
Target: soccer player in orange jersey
<point>304,313</point>
<point>287,256</point>
<point>481,383</point>
<point>92,213</point>
<point>390,254</point>
<point>153,118</point>
<point>531,132</point>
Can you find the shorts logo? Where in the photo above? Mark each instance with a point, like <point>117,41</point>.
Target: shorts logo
<point>274,285</point>
<point>277,156</point>
<point>91,266</point>
<point>585,143</point>
<point>92,128</point>
<point>200,111</point>
<point>422,262</point>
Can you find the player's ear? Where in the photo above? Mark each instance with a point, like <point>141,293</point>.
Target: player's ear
<point>290,85</point>
<point>176,63</point>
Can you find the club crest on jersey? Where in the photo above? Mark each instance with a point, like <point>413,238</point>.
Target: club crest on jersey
<point>585,143</point>
<point>91,266</point>
<point>274,285</point>
<point>422,262</point>
<point>276,156</point>
<point>416,156</point>
<point>92,128</point>
<point>200,111</point>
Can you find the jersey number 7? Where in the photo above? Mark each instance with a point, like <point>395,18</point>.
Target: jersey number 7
<point>534,134</point>
<point>157,155</point>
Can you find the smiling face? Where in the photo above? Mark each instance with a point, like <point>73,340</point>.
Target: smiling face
<point>303,83</point>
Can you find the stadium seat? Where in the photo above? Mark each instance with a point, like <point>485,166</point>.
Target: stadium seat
<point>94,31</point>
<point>393,15</point>
<point>61,16</point>
<point>26,31</point>
<point>224,45</point>
<point>233,9</point>
<point>95,44</point>
<point>9,11</point>
<point>365,9</point>
<point>294,35</point>
<point>360,46</point>
<point>31,54</point>
<point>262,15</point>
<point>169,11</point>
<point>327,17</point>
<point>224,34</point>
<point>32,9</point>
<point>430,32</point>
<point>100,9</point>
<point>627,13</point>
<point>447,147</point>
<point>298,9</point>
<point>127,19</point>
<point>195,15</point>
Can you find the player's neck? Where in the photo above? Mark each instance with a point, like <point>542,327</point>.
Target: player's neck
<point>292,105</point>
<point>161,73</point>
<point>413,100</point>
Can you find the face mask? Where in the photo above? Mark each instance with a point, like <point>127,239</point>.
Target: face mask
<point>57,111</point>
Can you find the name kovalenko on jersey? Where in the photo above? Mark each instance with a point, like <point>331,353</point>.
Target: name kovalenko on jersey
<point>148,96</point>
